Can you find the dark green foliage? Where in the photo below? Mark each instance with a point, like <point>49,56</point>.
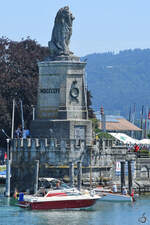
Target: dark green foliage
<point>18,78</point>
<point>117,81</point>
<point>148,136</point>
<point>104,135</point>
<point>89,104</point>
<point>97,130</point>
<point>143,153</point>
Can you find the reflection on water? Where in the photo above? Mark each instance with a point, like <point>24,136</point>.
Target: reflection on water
<point>64,217</point>
<point>103,213</point>
<point>2,190</point>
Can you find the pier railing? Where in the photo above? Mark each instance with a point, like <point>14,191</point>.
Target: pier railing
<point>53,151</point>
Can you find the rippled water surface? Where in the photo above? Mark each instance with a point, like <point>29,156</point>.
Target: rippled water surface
<point>103,213</point>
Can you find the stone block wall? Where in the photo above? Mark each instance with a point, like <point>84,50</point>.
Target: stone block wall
<point>51,151</point>
<point>143,169</point>
<point>55,155</point>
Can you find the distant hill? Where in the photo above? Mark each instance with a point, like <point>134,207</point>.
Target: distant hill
<point>118,81</point>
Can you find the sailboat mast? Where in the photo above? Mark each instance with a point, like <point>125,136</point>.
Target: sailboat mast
<point>22,117</point>
<point>13,118</point>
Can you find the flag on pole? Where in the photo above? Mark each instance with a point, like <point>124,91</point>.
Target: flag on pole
<point>145,130</point>
<point>133,119</point>
<point>130,114</point>
<point>5,156</point>
<point>142,113</point>
<point>149,114</point>
<point>134,112</point>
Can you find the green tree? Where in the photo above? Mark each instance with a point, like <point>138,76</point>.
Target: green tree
<point>89,105</point>
<point>18,77</point>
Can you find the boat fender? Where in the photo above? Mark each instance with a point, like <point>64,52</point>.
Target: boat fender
<point>16,195</point>
<point>21,197</point>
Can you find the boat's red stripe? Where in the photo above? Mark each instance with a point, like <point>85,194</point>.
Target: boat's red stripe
<point>62,204</point>
<point>55,194</point>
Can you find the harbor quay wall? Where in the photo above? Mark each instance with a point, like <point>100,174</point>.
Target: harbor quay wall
<point>55,156</point>
<point>110,157</point>
<point>140,164</point>
<point>143,169</point>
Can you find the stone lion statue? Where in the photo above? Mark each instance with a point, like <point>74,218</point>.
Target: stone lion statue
<point>62,31</point>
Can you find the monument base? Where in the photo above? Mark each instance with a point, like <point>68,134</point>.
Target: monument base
<point>65,58</point>
<point>62,129</point>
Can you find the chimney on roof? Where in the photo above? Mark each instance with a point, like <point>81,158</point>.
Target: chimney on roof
<point>102,110</point>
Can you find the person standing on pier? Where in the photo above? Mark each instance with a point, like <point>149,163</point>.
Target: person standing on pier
<point>114,187</point>
<point>124,191</point>
<point>19,132</point>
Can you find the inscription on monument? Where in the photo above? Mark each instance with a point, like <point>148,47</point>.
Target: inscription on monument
<point>50,90</point>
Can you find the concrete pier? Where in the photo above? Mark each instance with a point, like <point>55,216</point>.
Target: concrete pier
<point>56,158</point>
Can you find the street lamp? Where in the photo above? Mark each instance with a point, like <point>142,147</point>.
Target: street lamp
<point>33,112</point>
<point>7,193</point>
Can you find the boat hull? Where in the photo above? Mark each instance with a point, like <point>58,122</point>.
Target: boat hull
<point>47,205</point>
<point>116,198</point>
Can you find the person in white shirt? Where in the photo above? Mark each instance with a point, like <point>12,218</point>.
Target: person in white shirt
<point>124,191</point>
<point>114,187</point>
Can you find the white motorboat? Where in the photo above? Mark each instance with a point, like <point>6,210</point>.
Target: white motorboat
<point>57,197</point>
<point>108,195</point>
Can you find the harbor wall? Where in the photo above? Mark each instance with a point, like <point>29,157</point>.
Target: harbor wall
<point>55,155</point>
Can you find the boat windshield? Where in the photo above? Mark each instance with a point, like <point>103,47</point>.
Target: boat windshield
<point>64,186</point>
<point>53,184</point>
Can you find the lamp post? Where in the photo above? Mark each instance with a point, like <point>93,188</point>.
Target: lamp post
<point>7,193</point>
<point>13,116</point>
<point>33,112</point>
<point>90,168</point>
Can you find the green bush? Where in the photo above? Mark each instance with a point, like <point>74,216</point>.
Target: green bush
<point>2,168</point>
<point>104,135</point>
<point>144,152</point>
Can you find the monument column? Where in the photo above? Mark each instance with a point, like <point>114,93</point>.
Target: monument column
<point>61,90</point>
<point>62,99</point>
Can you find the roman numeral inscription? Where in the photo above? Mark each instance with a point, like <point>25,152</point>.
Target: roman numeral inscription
<point>50,90</point>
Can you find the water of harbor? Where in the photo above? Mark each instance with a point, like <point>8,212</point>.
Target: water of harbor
<point>103,213</point>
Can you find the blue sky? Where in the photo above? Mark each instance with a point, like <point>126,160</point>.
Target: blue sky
<point>99,25</point>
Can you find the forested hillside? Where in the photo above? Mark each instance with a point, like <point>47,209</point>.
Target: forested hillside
<point>118,81</point>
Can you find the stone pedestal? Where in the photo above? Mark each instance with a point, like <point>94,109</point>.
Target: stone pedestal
<point>62,105</point>
<point>63,129</point>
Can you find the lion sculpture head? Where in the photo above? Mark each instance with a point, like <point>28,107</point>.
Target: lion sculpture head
<point>62,31</point>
